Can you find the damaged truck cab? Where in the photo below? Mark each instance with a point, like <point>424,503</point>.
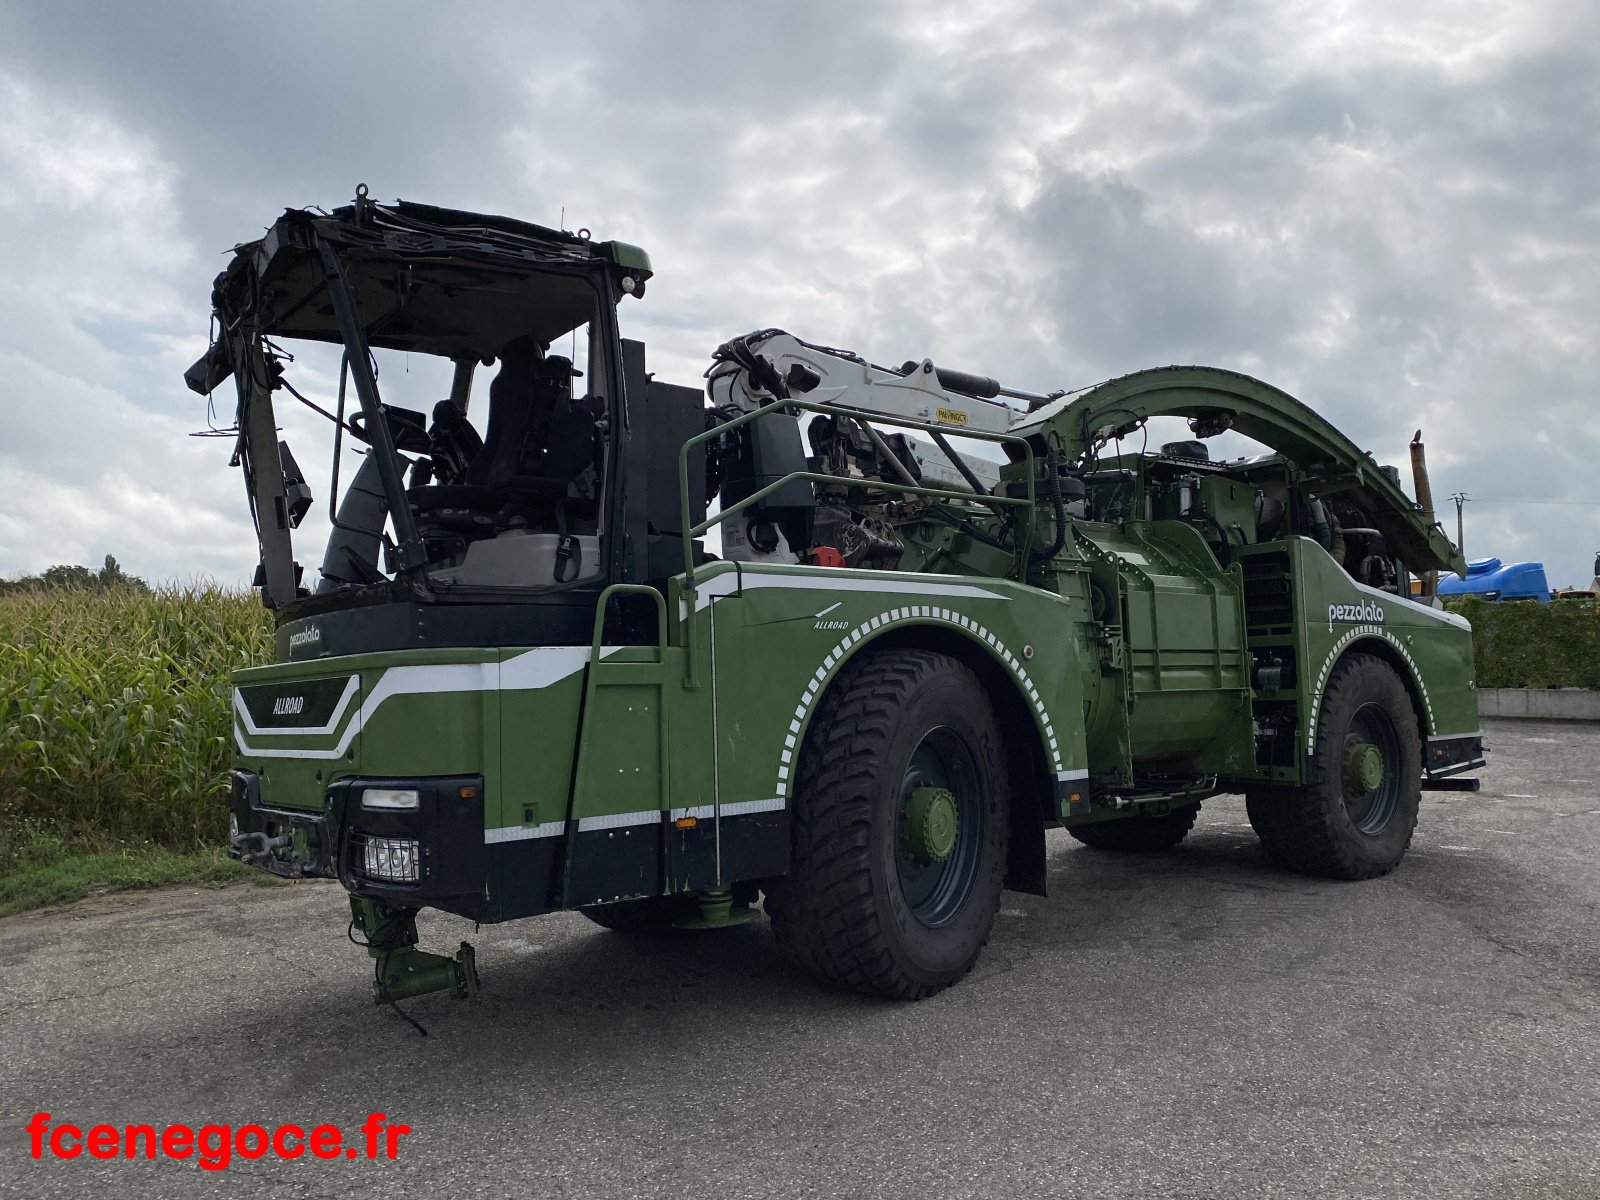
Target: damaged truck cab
<point>523,680</point>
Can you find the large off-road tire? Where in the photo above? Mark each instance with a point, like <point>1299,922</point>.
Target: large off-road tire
<point>1356,818</point>
<point>1265,807</point>
<point>899,826</point>
<point>1139,834</point>
<point>651,914</point>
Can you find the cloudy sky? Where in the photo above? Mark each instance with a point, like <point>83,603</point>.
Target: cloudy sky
<point>1390,210</point>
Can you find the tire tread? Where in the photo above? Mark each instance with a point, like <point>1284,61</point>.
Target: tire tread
<point>824,915</point>
<point>1139,835</point>
<point>1298,827</point>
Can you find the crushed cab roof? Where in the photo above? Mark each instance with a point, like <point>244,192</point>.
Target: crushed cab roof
<point>426,279</point>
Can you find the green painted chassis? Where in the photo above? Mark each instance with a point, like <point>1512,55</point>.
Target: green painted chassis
<point>709,723</point>
<point>603,772</point>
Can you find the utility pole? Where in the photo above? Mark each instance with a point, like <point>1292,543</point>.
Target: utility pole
<point>1424,489</point>
<point>1461,543</point>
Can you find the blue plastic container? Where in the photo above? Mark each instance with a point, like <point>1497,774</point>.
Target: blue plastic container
<point>1494,580</point>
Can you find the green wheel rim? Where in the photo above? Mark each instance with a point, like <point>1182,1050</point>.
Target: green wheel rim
<point>1369,774</point>
<point>939,826</point>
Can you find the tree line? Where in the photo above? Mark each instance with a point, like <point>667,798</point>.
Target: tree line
<point>110,577</point>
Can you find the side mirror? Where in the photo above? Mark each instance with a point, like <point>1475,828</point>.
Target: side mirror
<point>209,370</point>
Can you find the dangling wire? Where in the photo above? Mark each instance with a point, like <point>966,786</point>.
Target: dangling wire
<point>338,434</point>
<point>377,971</point>
<point>311,404</point>
<point>415,1024</point>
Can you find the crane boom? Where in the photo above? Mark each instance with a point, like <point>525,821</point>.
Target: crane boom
<point>771,364</point>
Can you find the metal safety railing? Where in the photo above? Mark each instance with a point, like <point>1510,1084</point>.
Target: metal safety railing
<point>693,531</point>
<point>628,589</point>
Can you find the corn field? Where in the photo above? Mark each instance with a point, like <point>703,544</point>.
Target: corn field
<point>114,712</point>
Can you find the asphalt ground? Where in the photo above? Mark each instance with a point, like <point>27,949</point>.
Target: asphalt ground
<point>1198,1023</point>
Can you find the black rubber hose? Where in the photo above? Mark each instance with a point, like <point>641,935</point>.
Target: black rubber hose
<point>741,352</point>
<point>1059,502</point>
<point>959,463</point>
<point>1224,555</point>
<point>972,531</point>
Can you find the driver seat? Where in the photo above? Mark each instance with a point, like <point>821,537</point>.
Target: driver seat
<point>539,440</point>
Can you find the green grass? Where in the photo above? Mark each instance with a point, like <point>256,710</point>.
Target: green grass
<point>115,737</point>
<point>40,870</point>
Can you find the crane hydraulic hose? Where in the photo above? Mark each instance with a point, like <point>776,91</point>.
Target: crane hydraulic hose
<point>1038,557</point>
<point>1059,503</point>
<point>741,351</point>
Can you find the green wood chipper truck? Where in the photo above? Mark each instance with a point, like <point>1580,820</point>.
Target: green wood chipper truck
<point>839,639</point>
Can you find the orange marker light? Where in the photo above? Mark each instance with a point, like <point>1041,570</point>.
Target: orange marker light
<point>686,822</point>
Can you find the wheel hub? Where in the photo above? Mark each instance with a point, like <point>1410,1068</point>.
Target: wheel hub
<point>932,819</point>
<point>1363,765</point>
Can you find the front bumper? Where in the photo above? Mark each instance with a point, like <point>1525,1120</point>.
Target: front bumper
<point>1450,754</point>
<point>451,869</point>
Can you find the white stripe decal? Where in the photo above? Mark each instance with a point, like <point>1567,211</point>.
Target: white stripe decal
<point>745,807</point>
<point>1010,660</point>
<point>1069,776</point>
<point>619,820</point>
<point>546,665</point>
<point>885,584</point>
<point>251,727</point>
<point>523,833</point>
<point>529,671</point>
<point>700,812</point>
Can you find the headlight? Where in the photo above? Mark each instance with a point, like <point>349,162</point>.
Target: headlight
<point>395,860</point>
<point>390,798</point>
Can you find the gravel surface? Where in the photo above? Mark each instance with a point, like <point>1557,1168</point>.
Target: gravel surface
<point>1197,1023</point>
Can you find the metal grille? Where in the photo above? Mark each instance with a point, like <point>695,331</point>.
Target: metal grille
<point>387,859</point>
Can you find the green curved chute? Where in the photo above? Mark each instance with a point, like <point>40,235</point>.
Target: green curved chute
<point>1214,399</point>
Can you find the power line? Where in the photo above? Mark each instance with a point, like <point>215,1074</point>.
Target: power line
<point>1525,500</point>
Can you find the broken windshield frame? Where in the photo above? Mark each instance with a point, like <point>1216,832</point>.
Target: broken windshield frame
<point>472,290</point>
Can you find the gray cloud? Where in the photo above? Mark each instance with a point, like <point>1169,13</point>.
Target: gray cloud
<point>1389,213</point>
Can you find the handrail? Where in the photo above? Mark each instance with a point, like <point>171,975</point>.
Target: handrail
<point>629,589</point>
<point>590,682</point>
<point>882,485</point>
<point>690,532</point>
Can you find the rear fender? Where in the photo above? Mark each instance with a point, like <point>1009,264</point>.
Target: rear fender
<point>1039,784</point>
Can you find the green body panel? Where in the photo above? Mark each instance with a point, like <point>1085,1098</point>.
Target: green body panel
<point>538,741</point>
<point>625,254</point>
<point>375,732</point>
<point>780,635</point>
<point>642,739</point>
<point>1149,661</point>
<point>418,713</point>
<point>1432,648</point>
<point>1181,628</point>
<point>1077,424</point>
<point>624,758</point>
<point>1163,685</point>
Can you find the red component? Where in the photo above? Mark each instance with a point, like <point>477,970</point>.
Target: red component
<point>825,556</point>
